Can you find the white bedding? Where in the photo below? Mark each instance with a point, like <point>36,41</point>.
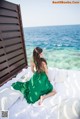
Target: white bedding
<point>67,85</point>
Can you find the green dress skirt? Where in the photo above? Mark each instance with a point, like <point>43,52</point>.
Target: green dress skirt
<point>35,87</point>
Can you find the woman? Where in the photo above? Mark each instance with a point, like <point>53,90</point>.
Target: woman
<point>39,86</point>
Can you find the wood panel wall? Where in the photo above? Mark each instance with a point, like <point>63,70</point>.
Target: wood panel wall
<point>13,56</point>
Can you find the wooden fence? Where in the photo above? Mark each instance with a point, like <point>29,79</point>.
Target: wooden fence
<point>13,56</point>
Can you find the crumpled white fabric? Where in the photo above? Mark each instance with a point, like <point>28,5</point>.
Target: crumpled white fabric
<point>65,82</point>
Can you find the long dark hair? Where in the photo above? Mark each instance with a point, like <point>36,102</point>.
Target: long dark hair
<point>37,59</point>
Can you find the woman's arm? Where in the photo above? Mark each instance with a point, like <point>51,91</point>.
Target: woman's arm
<point>45,68</point>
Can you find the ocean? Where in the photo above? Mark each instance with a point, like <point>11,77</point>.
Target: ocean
<point>61,45</point>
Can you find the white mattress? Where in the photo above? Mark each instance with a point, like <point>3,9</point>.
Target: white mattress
<point>66,89</point>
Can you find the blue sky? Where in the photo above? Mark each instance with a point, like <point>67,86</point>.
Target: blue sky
<point>44,13</point>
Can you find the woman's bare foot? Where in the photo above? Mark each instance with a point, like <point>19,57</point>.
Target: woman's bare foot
<point>41,100</point>
<point>46,96</point>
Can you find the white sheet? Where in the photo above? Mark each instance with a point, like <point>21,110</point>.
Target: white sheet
<point>49,109</point>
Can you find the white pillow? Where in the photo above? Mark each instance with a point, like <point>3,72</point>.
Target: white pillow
<point>72,74</point>
<point>26,75</point>
<point>72,85</point>
<point>51,73</point>
<point>60,75</point>
<point>70,109</point>
<point>8,97</point>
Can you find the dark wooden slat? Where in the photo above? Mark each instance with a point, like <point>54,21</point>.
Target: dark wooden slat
<point>20,67</point>
<point>8,20</point>
<point>2,58</point>
<point>8,77</point>
<point>9,27</point>
<point>10,34</point>
<point>1,44</point>
<point>16,59</point>
<point>10,62</point>
<point>10,42</point>
<point>2,51</point>
<point>13,54</point>
<point>3,65</point>
<point>8,5</point>
<point>2,79</point>
<point>13,57</point>
<point>13,67</point>
<point>5,71</point>
<point>9,13</point>
<point>12,48</point>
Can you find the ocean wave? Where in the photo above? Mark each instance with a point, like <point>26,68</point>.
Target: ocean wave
<point>61,45</point>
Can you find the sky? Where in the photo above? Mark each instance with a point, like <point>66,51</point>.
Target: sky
<point>44,13</point>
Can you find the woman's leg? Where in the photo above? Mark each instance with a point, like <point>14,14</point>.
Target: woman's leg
<point>46,96</point>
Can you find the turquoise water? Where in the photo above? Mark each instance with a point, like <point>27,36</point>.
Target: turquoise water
<point>61,45</point>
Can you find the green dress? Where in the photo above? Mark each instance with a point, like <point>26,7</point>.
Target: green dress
<point>35,87</point>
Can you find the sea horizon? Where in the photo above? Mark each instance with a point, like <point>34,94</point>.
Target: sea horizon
<point>51,25</point>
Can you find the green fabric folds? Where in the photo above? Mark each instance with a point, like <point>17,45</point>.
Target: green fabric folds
<point>37,85</point>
